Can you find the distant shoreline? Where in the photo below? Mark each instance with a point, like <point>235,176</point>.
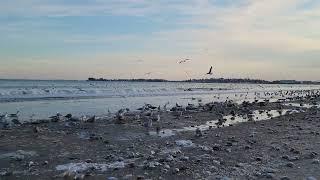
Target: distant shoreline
<point>213,80</point>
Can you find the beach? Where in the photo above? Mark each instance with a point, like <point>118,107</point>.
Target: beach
<point>261,139</point>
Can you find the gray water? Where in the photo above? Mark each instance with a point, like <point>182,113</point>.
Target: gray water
<point>41,99</point>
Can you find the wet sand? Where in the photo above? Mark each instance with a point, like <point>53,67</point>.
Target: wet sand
<point>247,141</point>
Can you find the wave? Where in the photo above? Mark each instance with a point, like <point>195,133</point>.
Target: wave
<point>52,89</point>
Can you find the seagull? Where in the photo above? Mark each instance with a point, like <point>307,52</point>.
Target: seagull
<point>148,73</point>
<point>14,115</point>
<point>2,116</point>
<point>183,61</point>
<point>210,71</point>
<point>55,118</point>
<point>91,120</point>
<point>69,116</point>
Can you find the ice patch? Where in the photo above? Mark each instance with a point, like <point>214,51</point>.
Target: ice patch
<point>81,167</point>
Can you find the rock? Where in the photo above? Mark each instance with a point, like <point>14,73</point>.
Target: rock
<point>198,132</point>
<point>315,161</point>
<point>290,164</point>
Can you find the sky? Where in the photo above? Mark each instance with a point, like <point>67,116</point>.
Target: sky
<point>77,39</point>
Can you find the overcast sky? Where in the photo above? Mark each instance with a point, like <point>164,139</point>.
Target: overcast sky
<point>75,39</point>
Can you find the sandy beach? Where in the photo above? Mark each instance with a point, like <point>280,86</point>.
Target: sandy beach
<point>258,140</point>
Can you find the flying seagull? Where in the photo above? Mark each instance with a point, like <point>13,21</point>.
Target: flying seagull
<point>210,71</point>
<point>147,74</point>
<point>183,61</point>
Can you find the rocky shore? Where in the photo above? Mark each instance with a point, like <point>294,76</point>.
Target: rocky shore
<point>251,140</point>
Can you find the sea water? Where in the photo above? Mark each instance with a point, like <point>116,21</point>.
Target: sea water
<point>40,99</point>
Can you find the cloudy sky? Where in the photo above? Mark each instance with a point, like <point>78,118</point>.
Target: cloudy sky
<point>75,39</point>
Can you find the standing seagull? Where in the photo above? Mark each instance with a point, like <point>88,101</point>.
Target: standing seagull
<point>210,71</point>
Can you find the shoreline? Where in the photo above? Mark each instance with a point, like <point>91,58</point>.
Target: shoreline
<point>127,146</point>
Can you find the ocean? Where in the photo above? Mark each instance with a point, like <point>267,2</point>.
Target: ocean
<point>41,98</point>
